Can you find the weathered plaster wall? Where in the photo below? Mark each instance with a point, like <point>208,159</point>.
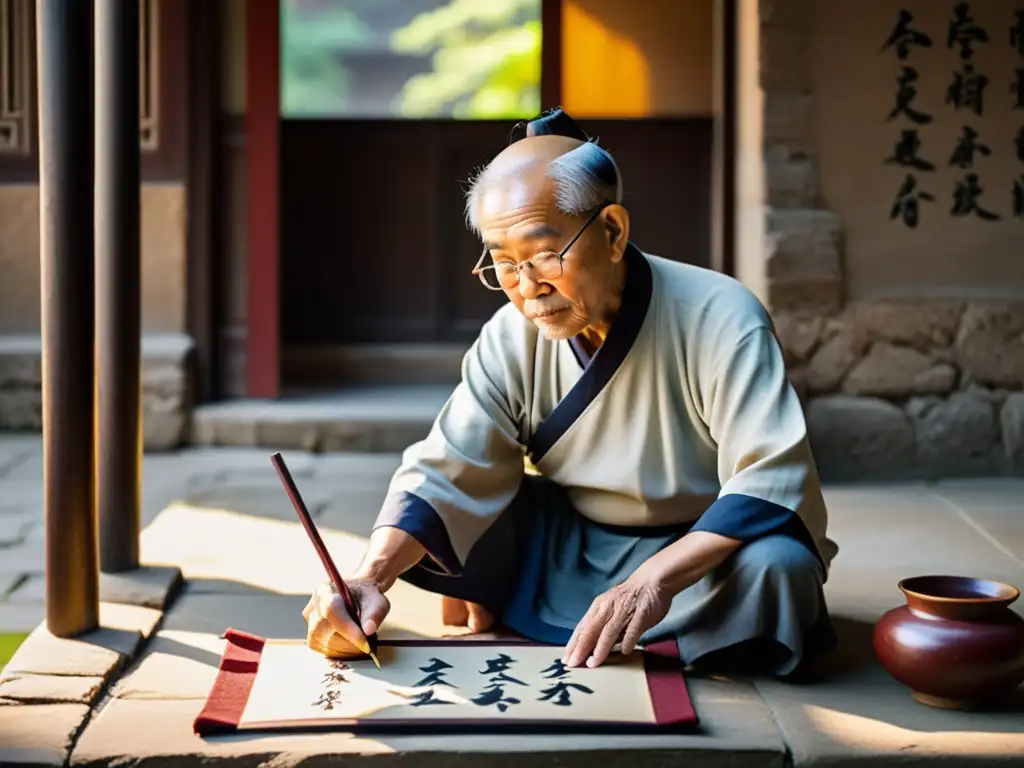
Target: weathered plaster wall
<point>163,258</point>
<point>855,85</point>
<point>166,348</point>
<point>908,346</point>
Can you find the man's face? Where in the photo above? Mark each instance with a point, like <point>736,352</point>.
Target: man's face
<point>519,221</point>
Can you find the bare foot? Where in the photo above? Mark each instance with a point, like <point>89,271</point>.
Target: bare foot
<point>480,619</point>
<point>454,613</point>
<point>461,613</point>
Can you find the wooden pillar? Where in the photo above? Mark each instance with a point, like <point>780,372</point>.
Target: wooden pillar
<point>263,103</point>
<point>64,44</point>
<point>551,54</point>
<point>726,106</point>
<point>118,284</point>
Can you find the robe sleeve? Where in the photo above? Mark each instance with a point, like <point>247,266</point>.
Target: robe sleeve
<point>452,485</point>
<point>769,482</point>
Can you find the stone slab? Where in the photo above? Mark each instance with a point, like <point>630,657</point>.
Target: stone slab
<point>99,653</point>
<point>890,533</point>
<point>51,689</point>
<point>995,506</point>
<point>27,557</point>
<point>376,419</point>
<point>15,522</point>
<point>31,589</point>
<point>150,586</point>
<point>865,718</point>
<point>269,554</point>
<point>20,617</point>
<point>738,731</point>
<point>852,713</point>
<point>39,735</point>
<point>9,580</point>
<point>15,448</point>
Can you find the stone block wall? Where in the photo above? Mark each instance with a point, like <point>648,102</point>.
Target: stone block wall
<point>166,396</point>
<point>896,389</point>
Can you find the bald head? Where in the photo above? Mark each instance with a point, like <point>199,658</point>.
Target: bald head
<point>581,175</point>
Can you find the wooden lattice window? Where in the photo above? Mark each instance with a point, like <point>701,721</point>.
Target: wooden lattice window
<point>16,58</point>
<point>149,74</point>
<point>163,94</point>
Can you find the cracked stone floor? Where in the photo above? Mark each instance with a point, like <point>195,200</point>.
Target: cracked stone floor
<point>222,517</point>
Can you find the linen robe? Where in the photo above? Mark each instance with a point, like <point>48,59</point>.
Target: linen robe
<point>548,477</point>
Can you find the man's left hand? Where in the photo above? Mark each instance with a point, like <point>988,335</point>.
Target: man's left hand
<point>622,613</point>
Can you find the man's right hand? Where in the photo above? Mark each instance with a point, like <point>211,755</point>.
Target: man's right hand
<point>331,630</point>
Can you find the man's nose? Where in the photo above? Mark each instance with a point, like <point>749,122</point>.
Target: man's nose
<point>530,288</point>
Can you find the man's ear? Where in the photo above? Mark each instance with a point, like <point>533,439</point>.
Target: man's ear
<point>616,223</point>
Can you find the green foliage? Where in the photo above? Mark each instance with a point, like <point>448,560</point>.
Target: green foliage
<point>486,59</point>
<point>9,642</point>
<point>313,80</point>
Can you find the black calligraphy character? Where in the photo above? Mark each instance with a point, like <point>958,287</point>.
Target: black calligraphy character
<point>498,664</point>
<point>328,699</point>
<point>1018,197</point>
<point>335,675</point>
<point>966,146</point>
<point>905,152</point>
<point>436,673</point>
<point>905,95</point>
<point>1017,89</point>
<point>504,678</point>
<point>1017,32</point>
<point>967,91</point>
<point>963,31</point>
<point>1019,143</point>
<point>965,199</point>
<point>903,36</point>
<point>494,694</point>
<point>907,204</point>
<point>557,670</point>
<point>426,698</point>
<point>561,690</point>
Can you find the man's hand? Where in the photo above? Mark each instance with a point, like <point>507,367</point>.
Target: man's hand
<point>330,629</point>
<point>622,613</point>
<point>630,609</point>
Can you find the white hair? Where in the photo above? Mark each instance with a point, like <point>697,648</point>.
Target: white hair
<point>585,177</point>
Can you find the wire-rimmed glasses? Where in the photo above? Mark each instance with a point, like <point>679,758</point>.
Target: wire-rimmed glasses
<point>504,275</point>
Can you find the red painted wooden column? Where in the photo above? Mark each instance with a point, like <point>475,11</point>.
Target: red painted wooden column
<point>262,125</point>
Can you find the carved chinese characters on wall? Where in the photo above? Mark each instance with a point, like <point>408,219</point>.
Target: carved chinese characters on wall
<point>970,96</point>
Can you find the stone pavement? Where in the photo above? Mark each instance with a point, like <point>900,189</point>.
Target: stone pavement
<point>127,694</point>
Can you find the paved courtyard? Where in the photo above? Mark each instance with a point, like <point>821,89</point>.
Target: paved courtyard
<point>221,516</point>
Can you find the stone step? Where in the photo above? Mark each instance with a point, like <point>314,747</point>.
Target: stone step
<point>165,386</point>
<point>381,419</point>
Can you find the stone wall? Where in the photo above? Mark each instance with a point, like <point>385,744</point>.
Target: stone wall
<point>166,395</point>
<point>895,389</point>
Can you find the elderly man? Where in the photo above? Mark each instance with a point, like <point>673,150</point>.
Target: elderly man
<point>624,459</point>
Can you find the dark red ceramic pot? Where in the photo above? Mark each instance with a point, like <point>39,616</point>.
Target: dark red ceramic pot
<point>956,644</point>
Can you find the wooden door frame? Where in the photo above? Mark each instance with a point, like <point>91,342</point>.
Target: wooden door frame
<point>262,161</point>
<point>263,115</point>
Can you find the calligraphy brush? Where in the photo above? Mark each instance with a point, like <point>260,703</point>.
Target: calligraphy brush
<point>369,645</point>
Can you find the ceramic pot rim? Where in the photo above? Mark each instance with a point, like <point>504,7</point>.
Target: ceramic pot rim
<point>1011,593</point>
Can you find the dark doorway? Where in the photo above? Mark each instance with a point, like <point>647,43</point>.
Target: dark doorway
<point>374,243</point>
